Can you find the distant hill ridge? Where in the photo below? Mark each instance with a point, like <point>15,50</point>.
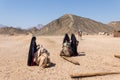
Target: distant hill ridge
<point>115,25</point>
<point>69,23</point>
<point>2,26</point>
<point>12,31</point>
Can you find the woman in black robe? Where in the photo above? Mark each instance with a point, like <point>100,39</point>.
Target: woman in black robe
<point>66,49</point>
<point>74,45</point>
<point>66,38</point>
<point>32,50</point>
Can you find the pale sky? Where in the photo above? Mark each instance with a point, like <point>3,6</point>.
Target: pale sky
<point>27,13</point>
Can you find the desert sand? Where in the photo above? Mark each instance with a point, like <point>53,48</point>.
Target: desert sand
<point>99,57</point>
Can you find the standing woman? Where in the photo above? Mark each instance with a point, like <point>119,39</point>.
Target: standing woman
<point>74,45</point>
<point>32,50</point>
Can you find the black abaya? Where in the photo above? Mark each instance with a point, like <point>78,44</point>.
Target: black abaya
<point>32,50</point>
<point>74,45</point>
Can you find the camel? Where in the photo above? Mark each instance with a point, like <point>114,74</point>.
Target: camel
<point>41,57</point>
<point>66,51</point>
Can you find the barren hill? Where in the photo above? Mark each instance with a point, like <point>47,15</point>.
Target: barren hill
<point>12,31</point>
<point>69,23</point>
<point>115,25</point>
<point>33,30</point>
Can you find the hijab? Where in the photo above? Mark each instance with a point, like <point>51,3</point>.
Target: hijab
<point>66,38</point>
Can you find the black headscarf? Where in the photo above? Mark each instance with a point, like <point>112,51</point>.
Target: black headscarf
<point>32,50</point>
<point>74,45</point>
<point>66,38</point>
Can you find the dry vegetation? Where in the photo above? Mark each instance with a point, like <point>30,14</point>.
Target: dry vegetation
<point>99,57</point>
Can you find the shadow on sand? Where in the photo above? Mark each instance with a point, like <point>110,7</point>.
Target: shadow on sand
<point>51,65</point>
<point>81,54</point>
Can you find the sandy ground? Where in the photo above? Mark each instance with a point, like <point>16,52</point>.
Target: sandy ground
<point>99,57</point>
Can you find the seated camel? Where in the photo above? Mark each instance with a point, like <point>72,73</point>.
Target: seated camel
<point>41,57</point>
<point>69,46</point>
<point>66,50</point>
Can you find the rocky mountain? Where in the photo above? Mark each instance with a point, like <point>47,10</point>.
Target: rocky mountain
<point>115,25</point>
<point>69,23</point>
<point>33,30</point>
<point>39,26</point>
<point>12,31</point>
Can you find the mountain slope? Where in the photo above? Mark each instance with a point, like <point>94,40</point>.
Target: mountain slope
<point>115,25</point>
<point>69,23</point>
<point>12,31</point>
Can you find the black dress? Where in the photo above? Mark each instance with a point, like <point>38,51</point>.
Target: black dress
<point>74,45</point>
<point>32,50</point>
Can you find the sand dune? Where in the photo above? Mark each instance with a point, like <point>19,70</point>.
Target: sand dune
<point>99,57</point>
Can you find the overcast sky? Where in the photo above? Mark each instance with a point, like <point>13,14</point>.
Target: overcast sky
<point>27,13</point>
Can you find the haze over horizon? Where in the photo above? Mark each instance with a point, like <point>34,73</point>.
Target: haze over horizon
<point>27,13</point>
